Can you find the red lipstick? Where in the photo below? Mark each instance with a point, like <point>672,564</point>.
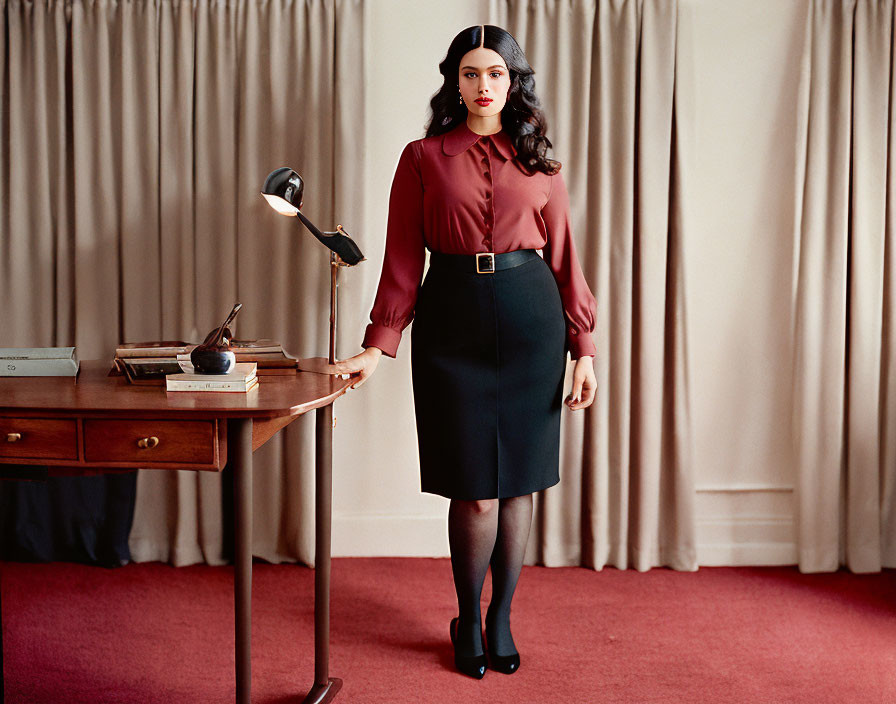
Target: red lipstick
<point>484,102</point>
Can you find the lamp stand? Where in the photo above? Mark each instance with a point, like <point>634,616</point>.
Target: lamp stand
<point>325,687</point>
<point>334,288</point>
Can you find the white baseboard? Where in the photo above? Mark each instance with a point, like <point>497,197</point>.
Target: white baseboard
<point>746,540</point>
<point>737,525</point>
<point>745,554</point>
<point>389,535</point>
<point>745,525</point>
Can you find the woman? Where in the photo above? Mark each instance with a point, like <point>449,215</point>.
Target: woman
<point>493,321</point>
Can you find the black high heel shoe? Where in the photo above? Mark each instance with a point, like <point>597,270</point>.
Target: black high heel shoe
<point>472,665</point>
<point>507,664</point>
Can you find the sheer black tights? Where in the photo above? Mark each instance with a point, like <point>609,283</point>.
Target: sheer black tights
<point>493,531</point>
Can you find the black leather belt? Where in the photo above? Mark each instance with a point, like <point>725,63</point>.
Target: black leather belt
<point>481,262</point>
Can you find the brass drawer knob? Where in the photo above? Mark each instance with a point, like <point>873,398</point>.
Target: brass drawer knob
<point>13,437</point>
<point>148,443</point>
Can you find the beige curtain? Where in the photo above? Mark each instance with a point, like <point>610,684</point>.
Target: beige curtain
<point>139,135</point>
<point>844,424</point>
<point>605,72</point>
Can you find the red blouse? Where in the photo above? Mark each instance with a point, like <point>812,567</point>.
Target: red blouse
<point>462,193</point>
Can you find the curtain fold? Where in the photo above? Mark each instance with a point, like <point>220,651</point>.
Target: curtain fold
<point>605,72</point>
<point>146,129</point>
<point>844,306</point>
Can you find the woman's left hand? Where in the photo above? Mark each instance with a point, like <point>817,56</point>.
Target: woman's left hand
<point>584,385</point>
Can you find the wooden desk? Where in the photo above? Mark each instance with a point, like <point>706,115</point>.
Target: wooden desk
<point>97,421</point>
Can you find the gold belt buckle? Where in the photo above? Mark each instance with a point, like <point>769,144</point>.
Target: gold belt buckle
<point>490,263</point>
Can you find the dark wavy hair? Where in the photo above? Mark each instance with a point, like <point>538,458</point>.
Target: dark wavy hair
<point>521,117</point>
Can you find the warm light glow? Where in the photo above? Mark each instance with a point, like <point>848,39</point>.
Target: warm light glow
<point>280,205</point>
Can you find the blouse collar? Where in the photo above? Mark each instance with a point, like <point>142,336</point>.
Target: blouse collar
<point>462,138</point>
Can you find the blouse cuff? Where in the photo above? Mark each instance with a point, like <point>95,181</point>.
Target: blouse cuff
<point>385,338</point>
<point>581,345</point>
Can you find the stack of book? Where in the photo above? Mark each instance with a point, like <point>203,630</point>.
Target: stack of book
<point>242,378</point>
<point>267,354</point>
<point>152,362</point>
<point>149,362</point>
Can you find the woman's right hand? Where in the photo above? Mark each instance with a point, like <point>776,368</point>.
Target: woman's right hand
<point>365,362</point>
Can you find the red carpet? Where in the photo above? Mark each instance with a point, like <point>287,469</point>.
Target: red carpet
<point>153,633</point>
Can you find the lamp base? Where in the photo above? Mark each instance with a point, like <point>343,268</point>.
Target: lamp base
<point>318,365</point>
<point>321,693</point>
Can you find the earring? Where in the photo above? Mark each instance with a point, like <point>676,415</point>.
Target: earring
<point>460,98</point>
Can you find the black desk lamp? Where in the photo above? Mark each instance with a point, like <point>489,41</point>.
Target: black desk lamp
<point>283,190</point>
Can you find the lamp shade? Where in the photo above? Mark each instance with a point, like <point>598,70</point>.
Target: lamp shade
<point>283,191</point>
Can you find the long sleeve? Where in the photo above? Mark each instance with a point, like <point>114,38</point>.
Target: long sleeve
<point>579,303</point>
<point>405,254</point>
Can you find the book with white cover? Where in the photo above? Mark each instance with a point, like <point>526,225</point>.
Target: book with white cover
<point>38,361</point>
<point>173,383</point>
<point>242,371</point>
<point>241,378</point>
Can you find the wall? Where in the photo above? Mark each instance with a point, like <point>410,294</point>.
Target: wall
<point>740,68</point>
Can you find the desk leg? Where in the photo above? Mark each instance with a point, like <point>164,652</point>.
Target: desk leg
<point>239,446</point>
<point>325,687</point>
<point>1,640</point>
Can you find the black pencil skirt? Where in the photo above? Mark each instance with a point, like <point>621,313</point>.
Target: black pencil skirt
<point>488,358</point>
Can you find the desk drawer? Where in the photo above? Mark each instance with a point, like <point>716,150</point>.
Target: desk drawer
<point>38,438</point>
<point>136,441</point>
